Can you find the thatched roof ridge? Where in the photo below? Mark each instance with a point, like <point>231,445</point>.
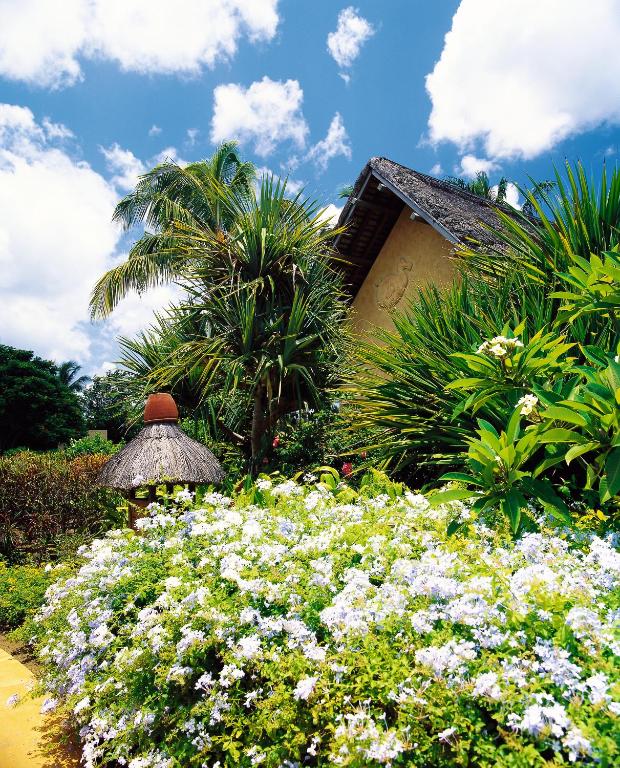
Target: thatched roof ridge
<point>161,452</point>
<point>462,213</point>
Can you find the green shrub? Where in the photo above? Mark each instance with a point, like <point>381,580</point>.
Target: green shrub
<point>49,504</point>
<point>320,626</point>
<point>91,445</point>
<point>21,593</point>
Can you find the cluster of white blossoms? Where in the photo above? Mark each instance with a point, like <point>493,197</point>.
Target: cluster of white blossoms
<point>328,628</point>
<point>527,404</point>
<point>500,347</point>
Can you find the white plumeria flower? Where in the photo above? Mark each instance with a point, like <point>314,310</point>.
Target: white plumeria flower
<point>528,404</point>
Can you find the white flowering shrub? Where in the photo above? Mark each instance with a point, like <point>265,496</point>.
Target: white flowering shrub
<point>327,628</point>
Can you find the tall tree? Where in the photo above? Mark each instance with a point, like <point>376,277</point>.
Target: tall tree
<point>36,409</point>
<point>262,312</point>
<point>271,298</point>
<point>68,373</point>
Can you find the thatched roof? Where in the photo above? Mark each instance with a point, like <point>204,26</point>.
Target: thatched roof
<point>383,189</point>
<point>161,452</point>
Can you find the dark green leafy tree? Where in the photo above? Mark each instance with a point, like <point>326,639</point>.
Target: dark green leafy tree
<point>36,409</point>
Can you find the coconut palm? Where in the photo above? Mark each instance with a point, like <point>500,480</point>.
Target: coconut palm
<point>68,374</point>
<point>482,187</point>
<point>262,312</point>
<point>166,199</point>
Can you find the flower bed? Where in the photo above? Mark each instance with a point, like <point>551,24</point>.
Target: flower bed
<point>324,627</point>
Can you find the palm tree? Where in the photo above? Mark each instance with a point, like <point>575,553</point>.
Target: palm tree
<point>482,187</point>
<point>165,200</point>
<point>262,314</point>
<point>68,374</point>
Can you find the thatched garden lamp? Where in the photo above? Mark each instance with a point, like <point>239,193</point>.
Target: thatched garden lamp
<point>161,453</point>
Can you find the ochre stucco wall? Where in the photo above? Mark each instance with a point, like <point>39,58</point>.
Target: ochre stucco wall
<point>413,255</point>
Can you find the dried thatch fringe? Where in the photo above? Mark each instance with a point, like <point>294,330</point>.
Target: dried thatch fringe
<point>161,452</point>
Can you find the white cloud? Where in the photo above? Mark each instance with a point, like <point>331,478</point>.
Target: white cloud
<point>345,44</point>
<point>105,367</point>
<point>135,313</point>
<point>192,135</point>
<point>331,214</point>
<point>43,41</point>
<point>293,186</point>
<point>519,76</point>
<point>266,113</point>
<point>436,170</point>
<point>335,143</point>
<point>169,155</point>
<point>125,166</point>
<point>56,237</point>
<point>154,130</point>
<point>56,240</point>
<point>472,165</point>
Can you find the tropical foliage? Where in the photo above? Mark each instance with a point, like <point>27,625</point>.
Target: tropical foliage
<point>68,372</point>
<point>481,186</point>
<point>315,624</point>
<point>113,402</point>
<point>551,285</point>
<point>262,315</point>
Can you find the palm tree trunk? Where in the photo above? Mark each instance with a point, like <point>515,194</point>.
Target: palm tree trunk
<point>257,428</point>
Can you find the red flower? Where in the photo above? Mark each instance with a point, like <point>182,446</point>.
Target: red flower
<point>276,441</point>
<point>347,468</point>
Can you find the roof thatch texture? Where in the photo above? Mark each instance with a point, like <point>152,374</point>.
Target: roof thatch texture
<point>161,452</point>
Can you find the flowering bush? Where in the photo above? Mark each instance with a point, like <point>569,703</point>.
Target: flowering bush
<point>320,626</point>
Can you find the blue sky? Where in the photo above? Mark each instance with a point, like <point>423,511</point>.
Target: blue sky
<point>93,92</point>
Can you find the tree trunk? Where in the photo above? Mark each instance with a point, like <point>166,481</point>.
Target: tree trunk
<point>257,428</point>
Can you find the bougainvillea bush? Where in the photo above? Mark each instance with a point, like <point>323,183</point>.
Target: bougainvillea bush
<point>303,625</point>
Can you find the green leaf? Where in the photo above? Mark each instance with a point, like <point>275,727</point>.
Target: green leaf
<point>511,507</point>
<point>456,526</point>
<point>452,495</point>
<point>514,425</point>
<point>560,435</point>
<point>464,383</point>
<point>461,477</point>
<point>579,450</point>
<point>564,414</point>
<point>612,472</point>
<point>542,490</point>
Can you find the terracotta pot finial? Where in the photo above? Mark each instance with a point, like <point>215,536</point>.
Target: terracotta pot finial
<point>160,407</point>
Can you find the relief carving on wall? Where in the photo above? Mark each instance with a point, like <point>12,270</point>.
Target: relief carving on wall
<point>391,288</point>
